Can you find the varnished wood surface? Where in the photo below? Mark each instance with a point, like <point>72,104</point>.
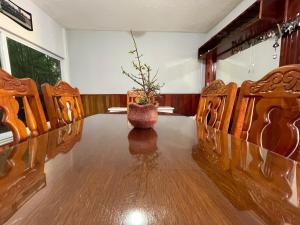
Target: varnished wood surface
<point>290,48</point>
<point>184,104</point>
<point>210,66</point>
<point>63,103</point>
<point>267,111</point>
<point>21,174</point>
<point>177,173</point>
<point>25,89</point>
<point>216,104</point>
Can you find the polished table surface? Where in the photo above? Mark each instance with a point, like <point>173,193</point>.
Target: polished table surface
<point>101,171</point>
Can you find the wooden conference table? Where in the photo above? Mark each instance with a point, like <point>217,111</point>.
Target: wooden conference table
<point>100,171</point>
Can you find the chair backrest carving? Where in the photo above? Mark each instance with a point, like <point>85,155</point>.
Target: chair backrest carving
<point>268,111</point>
<point>12,87</point>
<point>216,104</point>
<point>135,96</point>
<point>63,104</point>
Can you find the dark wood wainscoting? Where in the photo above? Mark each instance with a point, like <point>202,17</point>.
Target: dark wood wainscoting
<point>290,47</point>
<point>184,104</point>
<point>95,104</point>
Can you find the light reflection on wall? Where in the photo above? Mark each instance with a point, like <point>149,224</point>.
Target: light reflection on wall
<point>250,64</point>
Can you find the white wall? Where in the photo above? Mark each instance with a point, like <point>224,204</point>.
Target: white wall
<point>96,58</point>
<point>46,34</point>
<point>250,64</point>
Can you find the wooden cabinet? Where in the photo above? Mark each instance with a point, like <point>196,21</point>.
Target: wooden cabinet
<point>258,18</point>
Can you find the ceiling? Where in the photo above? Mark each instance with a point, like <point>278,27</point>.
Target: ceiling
<point>138,15</point>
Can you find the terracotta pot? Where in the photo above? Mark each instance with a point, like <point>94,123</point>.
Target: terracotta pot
<point>142,141</point>
<point>142,116</point>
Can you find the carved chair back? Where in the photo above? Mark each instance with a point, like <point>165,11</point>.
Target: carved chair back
<point>12,87</point>
<point>63,104</point>
<point>135,96</point>
<point>216,104</point>
<point>268,111</point>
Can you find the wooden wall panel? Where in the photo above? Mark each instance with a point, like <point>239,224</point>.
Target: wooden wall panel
<point>184,104</point>
<point>94,104</point>
<point>290,49</point>
<point>290,44</point>
<point>210,67</point>
<point>292,8</point>
<point>261,16</point>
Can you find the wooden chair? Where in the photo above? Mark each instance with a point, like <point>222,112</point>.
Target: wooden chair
<point>11,87</point>
<point>135,96</point>
<point>216,104</point>
<point>63,104</point>
<point>268,111</point>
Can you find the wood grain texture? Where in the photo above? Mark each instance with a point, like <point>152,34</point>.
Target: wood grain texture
<point>184,173</point>
<point>268,111</point>
<point>63,104</point>
<point>11,87</point>
<point>210,67</point>
<point>290,47</point>
<point>292,8</point>
<point>184,104</point>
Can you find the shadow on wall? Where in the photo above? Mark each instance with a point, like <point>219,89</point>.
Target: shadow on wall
<point>231,68</point>
<point>138,34</point>
<point>179,73</point>
<point>250,64</point>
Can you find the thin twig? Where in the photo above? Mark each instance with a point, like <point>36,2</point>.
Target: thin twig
<point>143,78</point>
<point>155,75</point>
<point>139,62</point>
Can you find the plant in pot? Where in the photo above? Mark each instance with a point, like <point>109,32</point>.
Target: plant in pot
<point>142,113</point>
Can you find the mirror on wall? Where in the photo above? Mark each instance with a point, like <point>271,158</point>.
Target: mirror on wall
<point>248,64</point>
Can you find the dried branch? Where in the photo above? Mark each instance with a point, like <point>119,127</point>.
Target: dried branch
<point>143,78</point>
<point>131,77</point>
<point>138,58</point>
<point>155,76</point>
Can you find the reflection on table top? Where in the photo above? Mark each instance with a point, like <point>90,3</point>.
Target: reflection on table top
<point>99,171</point>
